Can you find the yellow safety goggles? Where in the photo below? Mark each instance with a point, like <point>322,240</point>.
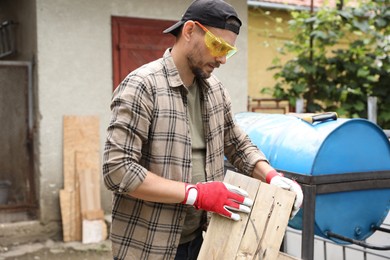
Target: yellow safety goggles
<point>217,46</point>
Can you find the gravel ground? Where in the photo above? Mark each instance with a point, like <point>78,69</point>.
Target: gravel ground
<point>58,251</point>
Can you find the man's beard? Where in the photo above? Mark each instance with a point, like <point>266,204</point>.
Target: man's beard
<point>195,66</point>
<point>199,73</point>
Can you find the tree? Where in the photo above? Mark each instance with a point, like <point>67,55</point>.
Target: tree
<point>331,77</point>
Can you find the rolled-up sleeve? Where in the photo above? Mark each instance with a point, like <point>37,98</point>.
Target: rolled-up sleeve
<point>126,134</point>
<point>239,149</point>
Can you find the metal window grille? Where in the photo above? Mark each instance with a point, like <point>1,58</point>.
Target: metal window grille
<point>7,38</point>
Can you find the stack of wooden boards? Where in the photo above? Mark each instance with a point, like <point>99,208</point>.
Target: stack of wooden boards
<point>81,212</point>
<point>257,235</point>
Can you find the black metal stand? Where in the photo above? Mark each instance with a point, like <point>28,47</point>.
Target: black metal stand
<point>313,185</point>
<point>357,242</point>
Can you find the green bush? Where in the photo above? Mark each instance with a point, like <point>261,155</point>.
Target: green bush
<point>340,58</point>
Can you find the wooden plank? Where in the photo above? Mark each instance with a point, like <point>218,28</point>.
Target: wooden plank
<point>257,223</point>
<point>71,220</point>
<point>94,229</point>
<point>81,133</point>
<point>93,214</point>
<point>223,235</point>
<point>259,234</point>
<point>275,223</point>
<point>88,171</point>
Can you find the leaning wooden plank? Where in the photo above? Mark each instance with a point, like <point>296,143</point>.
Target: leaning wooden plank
<point>81,133</point>
<point>223,235</point>
<point>94,229</point>
<point>88,171</point>
<point>93,214</point>
<point>71,220</point>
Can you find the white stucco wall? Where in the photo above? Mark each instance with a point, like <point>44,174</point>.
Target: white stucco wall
<point>75,73</point>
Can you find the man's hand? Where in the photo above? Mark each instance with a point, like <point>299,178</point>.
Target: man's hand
<point>275,178</point>
<point>218,197</point>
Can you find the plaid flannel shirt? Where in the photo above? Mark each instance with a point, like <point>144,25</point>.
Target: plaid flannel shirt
<point>149,131</point>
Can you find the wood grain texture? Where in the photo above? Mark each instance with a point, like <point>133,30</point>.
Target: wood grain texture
<point>81,134</point>
<point>88,171</point>
<point>257,235</point>
<point>224,235</point>
<point>70,214</point>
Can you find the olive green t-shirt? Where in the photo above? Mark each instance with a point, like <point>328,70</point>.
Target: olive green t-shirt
<point>193,219</point>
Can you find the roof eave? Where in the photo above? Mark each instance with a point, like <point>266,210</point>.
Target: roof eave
<point>278,6</point>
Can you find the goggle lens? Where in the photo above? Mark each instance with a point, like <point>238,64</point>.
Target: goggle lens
<point>217,46</point>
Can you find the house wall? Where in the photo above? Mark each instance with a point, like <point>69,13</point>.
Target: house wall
<point>267,31</point>
<point>75,74</point>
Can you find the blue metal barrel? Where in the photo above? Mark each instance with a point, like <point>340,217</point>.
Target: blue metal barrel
<point>330,147</point>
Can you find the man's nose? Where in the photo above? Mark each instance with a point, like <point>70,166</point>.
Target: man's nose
<point>221,59</point>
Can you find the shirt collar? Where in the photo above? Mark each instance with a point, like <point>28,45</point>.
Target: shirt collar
<point>172,72</point>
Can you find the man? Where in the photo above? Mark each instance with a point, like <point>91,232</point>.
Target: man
<point>171,127</point>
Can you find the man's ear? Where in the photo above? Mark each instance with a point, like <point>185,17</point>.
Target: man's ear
<point>188,30</point>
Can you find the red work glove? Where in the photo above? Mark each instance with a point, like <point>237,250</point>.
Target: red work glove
<point>278,179</point>
<point>218,197</point>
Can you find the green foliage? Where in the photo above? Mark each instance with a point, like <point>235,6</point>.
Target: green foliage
<point>340,58</point>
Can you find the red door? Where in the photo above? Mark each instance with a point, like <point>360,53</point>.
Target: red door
<point>135,42</point>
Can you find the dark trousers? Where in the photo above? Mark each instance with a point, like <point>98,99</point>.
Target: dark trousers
<point>189,250</point>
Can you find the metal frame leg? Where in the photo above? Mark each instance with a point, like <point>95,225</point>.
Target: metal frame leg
<point>309,203</point>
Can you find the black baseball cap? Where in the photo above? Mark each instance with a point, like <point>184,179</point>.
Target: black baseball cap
<point>214,13</point>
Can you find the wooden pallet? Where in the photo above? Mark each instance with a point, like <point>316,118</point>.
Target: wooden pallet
<point>257,235</point>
